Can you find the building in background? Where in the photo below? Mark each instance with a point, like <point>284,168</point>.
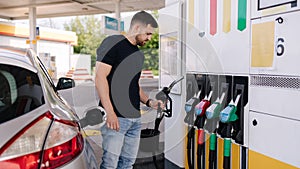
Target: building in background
<point>55,47</point>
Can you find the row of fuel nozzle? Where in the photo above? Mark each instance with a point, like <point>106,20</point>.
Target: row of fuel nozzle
<point>195,107</point>
<point>203,115</point>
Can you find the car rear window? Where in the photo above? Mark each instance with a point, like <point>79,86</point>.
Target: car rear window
<point>20,92</point>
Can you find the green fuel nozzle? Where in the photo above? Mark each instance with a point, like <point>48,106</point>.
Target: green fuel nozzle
<point>213,111</point>
<point>228,114</point>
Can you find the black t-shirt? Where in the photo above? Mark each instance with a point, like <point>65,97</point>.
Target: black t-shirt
<point>123,80</point>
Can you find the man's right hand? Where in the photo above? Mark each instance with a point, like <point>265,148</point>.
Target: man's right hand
<point>112,121</point>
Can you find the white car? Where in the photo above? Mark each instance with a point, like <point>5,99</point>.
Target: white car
<point>39,130</point>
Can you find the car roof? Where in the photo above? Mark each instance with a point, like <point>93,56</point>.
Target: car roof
<point>21,57</point>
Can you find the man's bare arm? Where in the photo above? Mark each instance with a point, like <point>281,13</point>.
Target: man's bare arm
<point>102,71</point>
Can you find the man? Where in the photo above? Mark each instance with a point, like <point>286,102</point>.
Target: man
<point>118,69</point>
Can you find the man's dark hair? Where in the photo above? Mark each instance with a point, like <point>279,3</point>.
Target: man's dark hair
<point>144,18</point>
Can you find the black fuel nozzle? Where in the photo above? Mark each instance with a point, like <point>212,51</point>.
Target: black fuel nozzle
<point>163,95</point>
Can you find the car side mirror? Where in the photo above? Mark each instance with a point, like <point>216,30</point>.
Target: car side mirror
<point>65,83</point>
<point>93,117</point>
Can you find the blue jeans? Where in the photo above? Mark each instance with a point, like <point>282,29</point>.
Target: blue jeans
<point>120,148</point>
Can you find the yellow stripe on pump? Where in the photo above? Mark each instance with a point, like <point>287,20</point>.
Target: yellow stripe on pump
<point>226,16</point>
<point>260,161</point>
<point>220,153</point>
<point>235,156</point>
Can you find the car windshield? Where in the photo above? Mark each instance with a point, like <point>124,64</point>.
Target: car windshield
<point>20,92</point>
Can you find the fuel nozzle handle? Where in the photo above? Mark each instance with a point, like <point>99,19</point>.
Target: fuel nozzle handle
<point>228,115</point>
<point>163,95</point>
<point>189,108</point>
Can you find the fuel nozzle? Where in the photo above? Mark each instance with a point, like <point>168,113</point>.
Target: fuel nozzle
<point>213,111</point>
<point>189,108</point>
<point>212,114</point>
<point>191,103</point>
<point>228,114</point>
<point>200,110</point>
<point>163,95</point>
<point>201,107</point>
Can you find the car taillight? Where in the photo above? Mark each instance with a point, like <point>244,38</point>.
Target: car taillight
<point>63,144</point>
<point>24,151</point>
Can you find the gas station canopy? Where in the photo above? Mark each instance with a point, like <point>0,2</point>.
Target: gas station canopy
<point>19,9</point>
<point>33,9</point>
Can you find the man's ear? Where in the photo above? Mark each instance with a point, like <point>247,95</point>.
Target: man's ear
<point>137,28</point>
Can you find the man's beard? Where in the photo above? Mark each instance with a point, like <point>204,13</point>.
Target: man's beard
<point>139,42</point>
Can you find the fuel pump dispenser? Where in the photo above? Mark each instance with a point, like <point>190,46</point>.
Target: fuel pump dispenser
<point>212,115</point>
<point>228,116</point>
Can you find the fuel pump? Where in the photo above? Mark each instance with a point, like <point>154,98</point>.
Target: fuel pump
<point>212,114</point>
<point>200,110</point>
<point>228,116</point>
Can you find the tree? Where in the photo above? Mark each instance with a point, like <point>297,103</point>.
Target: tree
<point>87,29</point>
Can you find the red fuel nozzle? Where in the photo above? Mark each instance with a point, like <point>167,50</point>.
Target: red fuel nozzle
<point>200,108</point>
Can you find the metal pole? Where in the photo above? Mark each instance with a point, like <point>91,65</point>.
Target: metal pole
<point>32,28</point>
<point>118,13</point>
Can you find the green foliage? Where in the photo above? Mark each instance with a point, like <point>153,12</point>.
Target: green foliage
<point>150,50</point>
<point>87,29</point>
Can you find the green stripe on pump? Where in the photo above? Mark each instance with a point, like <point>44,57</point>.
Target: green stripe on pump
<point>212,141</point>
<point>227,147</point>
<point>242,14</point>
